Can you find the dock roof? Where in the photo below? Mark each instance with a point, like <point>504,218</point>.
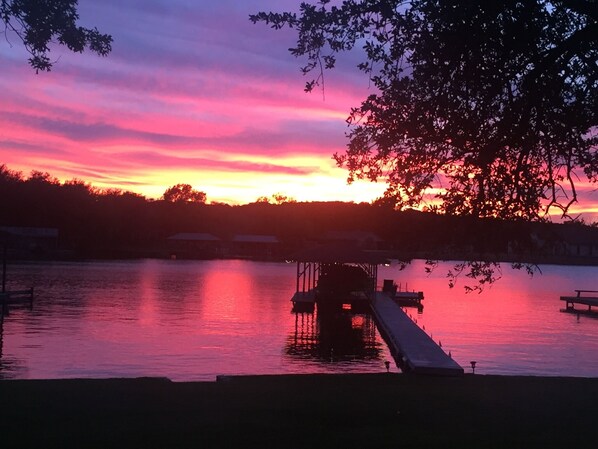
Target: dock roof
<point>34,232</point>
<point>339,253</point>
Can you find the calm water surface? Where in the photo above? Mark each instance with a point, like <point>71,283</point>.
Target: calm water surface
<point>197,320</point>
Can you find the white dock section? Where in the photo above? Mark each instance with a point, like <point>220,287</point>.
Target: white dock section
<point>410,345</point>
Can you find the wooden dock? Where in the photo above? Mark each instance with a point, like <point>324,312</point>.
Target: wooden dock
<point>590,301</point>
<point>404,298</point>
<point>409,299</point>
<point>15,297</point>
<point>412,348</point>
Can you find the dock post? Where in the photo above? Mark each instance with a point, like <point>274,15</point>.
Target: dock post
<point>4,256</point>
<point>3,294</point>
<point>4,308</point>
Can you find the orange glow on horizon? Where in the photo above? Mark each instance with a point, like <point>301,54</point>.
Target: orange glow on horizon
<point>233,188</point>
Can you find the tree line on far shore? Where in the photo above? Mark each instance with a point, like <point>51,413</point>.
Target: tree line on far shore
<point>114,223</point>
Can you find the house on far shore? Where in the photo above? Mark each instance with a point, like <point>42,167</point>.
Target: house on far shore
<point>577,240</point>
<point>254,246</point>
<point>194,245</point>
<point>29,241</point>
<point>569,240</point>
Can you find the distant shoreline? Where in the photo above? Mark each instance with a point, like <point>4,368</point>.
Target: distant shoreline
<point>391,255</point>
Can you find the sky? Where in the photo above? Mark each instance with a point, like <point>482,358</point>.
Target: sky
<point>193,93</point>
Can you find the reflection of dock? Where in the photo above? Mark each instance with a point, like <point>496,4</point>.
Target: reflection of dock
<point>15,297</point>
<point>338,337</point>
<point>304,342</point>
<point>408,342</point>
<point>590,301</point>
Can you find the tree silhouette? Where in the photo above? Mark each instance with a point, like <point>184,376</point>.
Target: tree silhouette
<point>183,193</point>
<point>9,176</point>
<point>37,23</point>
<point>491,107</point>
<point>277,198</point>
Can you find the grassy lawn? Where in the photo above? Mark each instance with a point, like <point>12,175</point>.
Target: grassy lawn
<point>311,411</point>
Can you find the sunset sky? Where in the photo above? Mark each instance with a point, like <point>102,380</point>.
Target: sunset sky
<point>193,93</point>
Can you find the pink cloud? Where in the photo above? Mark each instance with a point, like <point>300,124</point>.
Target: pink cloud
<point>190,86</point>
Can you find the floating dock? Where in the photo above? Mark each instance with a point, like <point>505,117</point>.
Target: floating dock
<point>409,299</point>
<point>403,298</point>
<point>15,297</point>
<point>412,348</point>
<point>590,301</point>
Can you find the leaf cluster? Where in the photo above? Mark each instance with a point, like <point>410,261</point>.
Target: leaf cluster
<point>487,109</point>
<point>184,193</point>
<point>38,23</point>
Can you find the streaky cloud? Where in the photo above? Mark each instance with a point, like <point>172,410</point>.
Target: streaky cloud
<point>232,164</point>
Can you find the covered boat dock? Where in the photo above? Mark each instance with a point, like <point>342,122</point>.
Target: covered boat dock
<point>412,348</point>
<point>323,263</point>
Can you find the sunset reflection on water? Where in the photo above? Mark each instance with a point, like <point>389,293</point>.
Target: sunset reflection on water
<point>179,319</point>
<point>196,320</point>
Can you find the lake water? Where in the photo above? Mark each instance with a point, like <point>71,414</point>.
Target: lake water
<point>194,320</point>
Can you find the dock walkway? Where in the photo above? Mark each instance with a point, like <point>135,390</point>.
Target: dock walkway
<point>410,345</point>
